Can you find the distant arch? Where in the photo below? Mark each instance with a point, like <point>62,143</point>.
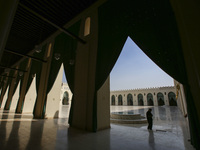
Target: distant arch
<point>172,99</point>
<point>113,100</point>
<point>65,99</point>
<point>120,102</point>
<point>140,100</point>
<point>160,99</point>
<point>130,99</point>
<point>150,99</point>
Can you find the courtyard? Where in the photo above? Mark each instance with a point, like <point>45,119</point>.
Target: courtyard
<point>170,131</point>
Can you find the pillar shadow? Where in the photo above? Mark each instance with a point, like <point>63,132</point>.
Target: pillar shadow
<point>36,134</point>
<point>162,112</point>
<point>80,139</point>
<point>3,129</point>
<point>56,115</point>
<point>151,140</point>
<point>13,140</point>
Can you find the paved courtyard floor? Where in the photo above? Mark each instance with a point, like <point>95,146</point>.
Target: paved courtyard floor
<point>21,132</point>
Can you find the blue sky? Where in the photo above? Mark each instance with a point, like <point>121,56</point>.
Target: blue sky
<point>134,69</point>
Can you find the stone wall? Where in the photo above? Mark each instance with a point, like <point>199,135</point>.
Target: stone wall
<point>154,93</point>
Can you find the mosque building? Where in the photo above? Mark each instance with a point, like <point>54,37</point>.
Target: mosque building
<point>40,39</point>
<point>158,96</point>
<point>144,97</point>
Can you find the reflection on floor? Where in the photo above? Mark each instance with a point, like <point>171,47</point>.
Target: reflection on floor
<point>170,132</point>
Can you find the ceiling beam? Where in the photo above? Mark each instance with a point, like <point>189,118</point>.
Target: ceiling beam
<point>12,68</point>
<point>7,76</point>
<point>54,25</point>
<point>24,55</point>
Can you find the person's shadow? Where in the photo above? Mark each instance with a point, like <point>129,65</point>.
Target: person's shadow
<point>151,140</point>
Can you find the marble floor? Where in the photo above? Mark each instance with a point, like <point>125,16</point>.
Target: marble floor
<point>21,132</point>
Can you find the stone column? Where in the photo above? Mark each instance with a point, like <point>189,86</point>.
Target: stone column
<point>11,92</point>
<point>116,99</point>
<point>155,100</point>
<point>3,90</point>
<point>42,91</point>
<point>166,99</point>
<point>84,85</point>
<point>20,103</point>
<point>145,99</point>
<point>187,14</point>
<point>103,106</point>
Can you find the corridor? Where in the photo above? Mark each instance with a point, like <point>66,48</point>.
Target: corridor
<point>21,132</point>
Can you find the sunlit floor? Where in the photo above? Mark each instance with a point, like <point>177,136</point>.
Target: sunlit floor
<point>170,132</point>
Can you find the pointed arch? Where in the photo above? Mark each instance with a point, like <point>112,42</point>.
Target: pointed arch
<point>120,101</point>
<point>65,99</point>
<point>150,99</point>
<point>140,100</point>
<point>160,99</point>
<point>113,100</point>
<point>172,99</point>
<point>130,99</point>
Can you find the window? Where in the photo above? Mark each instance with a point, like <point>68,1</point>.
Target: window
<point>87,26</point>
<point>49,50</point>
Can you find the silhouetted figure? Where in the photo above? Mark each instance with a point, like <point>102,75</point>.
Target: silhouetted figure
<point>149,119</point>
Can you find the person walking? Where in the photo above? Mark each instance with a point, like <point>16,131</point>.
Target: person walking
<point>149,116</point>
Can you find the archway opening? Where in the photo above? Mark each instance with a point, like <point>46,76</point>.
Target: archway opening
<point>135,82</point>
<point>130,99</point>
<point>65,98</point>
<point>150,99</point>
<point>140,100</point>
<point>113,100</point>
<point>134,70</point>
<point>172,99</point>
<point>160,98</point>
<point>120,101</point>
